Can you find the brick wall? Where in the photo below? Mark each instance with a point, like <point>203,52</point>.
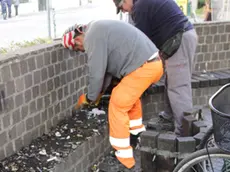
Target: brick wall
<point>153,104</point>
<point>37,88</point>
<point>38,85</point>
<point>213,51</point>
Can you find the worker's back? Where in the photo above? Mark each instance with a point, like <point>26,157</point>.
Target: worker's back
<point>158,19</point>
<point>117,46</point>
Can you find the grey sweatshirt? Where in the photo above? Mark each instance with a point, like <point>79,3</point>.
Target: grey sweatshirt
<point>114,48</point>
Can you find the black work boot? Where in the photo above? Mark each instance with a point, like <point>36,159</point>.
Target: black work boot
<point>135,140</point>
<point>160,123</point>
<point>112,164</point>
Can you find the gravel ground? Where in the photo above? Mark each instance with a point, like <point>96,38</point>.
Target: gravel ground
<point>49,149</point>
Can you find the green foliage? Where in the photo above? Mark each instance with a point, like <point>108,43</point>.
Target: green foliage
<point>17,45</point>
<point>201,3</point>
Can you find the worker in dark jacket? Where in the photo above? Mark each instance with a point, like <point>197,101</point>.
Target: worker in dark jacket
<point>169,29</point>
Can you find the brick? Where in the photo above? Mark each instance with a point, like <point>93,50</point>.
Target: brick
<point>35,92</point>
<point>216,65</point>
<point>28,95</point>
<point>82,82</point>
<point>9,150</point>
<point>51,112</point>
<point>221,28</point>
<point>196,126</point>
<point>203,82</point>
<point>167,142</point>
<point>10,88</point>
<point>187,125</point>
<point>37,77</point>
<point>6,121</point>
<point>69,77</point>
<point>19,100</point>
<point>20,128</point>
<point>57,69</point>
<point>6,74</point>
<point>10,103</point>
<point>42,129</point>
<point>31,64</point>
<point>28,80</point>
<point>50,85</point>
<point>39,61</point>
<point>54,121</point>
<point>15,68</point>
<point>213,30</point>
<point>70,64</point>
<point>18,143</point>
<point>47,58</point>
<point>29,123</point>
<point>63,79</point>
<point>19,84</point>
<point>35,133</point>
<point>164,164</point>
<point>227,28</point>
<point>216,38</point>
<point>204,48</point>
<point>12,133</point>
<point>60,54</point>
<point>219,47</point>
<point>23,67</point>
<point>44,116</point>
<point>198,137</point>
<point>149,139</point>
<point>51,71</point>
<point>195,83</point>
<point>39,103</point>
<point>47,101</point>
<point>63,66</point>
<point>57,108</point>
<point>196,112</point>
<point>209,39</point>
<point>53,97</point>
<point>2,154</point>
<point>27,138</point>
<point>3,139</point>
<point>199,30</point>
<point>16,116</point>
<point>186,144</point>
<point>204,129</point>
<point>37,120</point>
<point>53,57</point>
<point>223,38</point>
<point>44,74</point>
<point>223,78</point>
<point>57,82</point>
<point>147,164</point>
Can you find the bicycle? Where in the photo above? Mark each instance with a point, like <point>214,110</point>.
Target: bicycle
<point>216,143</point>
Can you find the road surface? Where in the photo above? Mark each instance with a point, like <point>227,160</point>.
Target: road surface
<point>31,26</point>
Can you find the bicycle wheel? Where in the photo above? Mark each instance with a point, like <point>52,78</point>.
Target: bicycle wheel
<point>208,140</point>
<point>200,161</point>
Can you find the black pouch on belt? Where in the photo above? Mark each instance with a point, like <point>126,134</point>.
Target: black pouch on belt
<point>170,47</point>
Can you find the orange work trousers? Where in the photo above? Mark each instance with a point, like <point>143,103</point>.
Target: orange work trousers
<point>125,110</point>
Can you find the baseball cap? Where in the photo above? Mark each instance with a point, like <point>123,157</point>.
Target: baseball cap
<point>70,34</point>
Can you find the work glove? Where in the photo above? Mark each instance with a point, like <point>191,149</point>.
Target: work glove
<point>84,101</point>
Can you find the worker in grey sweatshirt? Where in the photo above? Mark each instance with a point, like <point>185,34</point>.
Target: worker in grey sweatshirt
<point>117,49</point>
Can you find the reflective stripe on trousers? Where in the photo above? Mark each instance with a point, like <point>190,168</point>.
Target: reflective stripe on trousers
<point>125,110</point>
